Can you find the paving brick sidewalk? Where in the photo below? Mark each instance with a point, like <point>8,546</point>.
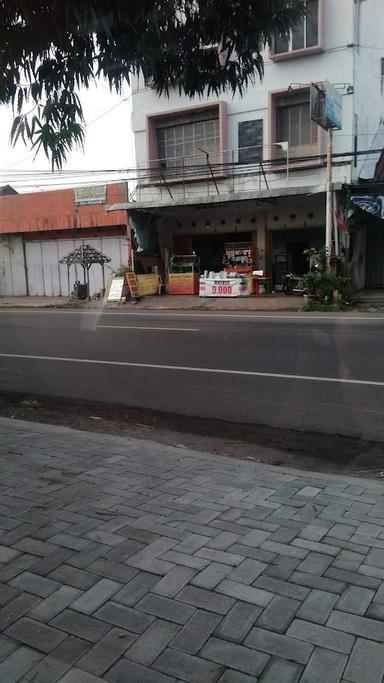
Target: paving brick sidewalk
<point>131,562</point>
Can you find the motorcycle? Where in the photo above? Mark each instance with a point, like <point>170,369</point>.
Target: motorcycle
<point>293,284</point>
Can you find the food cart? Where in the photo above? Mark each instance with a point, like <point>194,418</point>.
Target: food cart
<point>183,276</point>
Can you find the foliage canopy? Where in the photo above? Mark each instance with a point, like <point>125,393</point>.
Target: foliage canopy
<point>49,49</point>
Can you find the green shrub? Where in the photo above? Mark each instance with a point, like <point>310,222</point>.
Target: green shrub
<point>322,285</point>
<point>314,305</point>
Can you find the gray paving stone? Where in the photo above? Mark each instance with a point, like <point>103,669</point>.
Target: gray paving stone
<point>241,591</point>
<point>238,622</point>
<point>322,636</point>
<point>255,538</point>
<point>94,597</point>
<point>37,585</point>
<point>317,606</point>
<point>211,576</point>
<point>70,650</point>
<point>112,570</point>
<point>366,663</point>
<point>6,647</point>
<point>196,631</point>
<point>164,608</point>
<point>353,578</point>
<point>285,549</point>
<point>174,581</point>
<point>7,593</point>
<point>348,560</point>
<point>282,671</point>
<point>9,571</point>
<point>234,656</point>
<point>278,614</point>
<point>341,531</point>
<point>106,652</point>
<point>48,564</point>
<point>375,558</point>
<point>279,645</point>
<point>248,571</point>
<point>204,599</point>
<point>356,600</point>
<point>315,563</point>
<point>35,634</point>
<point>78,578</point>
<point>323,583</point>
<point>129,672</point>
<point>189,668</point>
<point>324,663</point>
<point>231,676</point>
<point>152,642</point>
<point>17,608</point>
<point>47,670</point>
<point>14,667</point>
<point>80,625</point>
<point>78,676</point>
<point>33,547</point>
<point>223,541</point>
<point>7,554</point>
<point>358,626</point>
<point>137,587</point>
<point>177,558</point>
<point>52,606</point>
<point>124,617</point>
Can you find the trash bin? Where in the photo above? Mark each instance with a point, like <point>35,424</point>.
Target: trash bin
<point>80,290</point>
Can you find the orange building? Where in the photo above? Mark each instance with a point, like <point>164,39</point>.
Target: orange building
<point>38,229</point>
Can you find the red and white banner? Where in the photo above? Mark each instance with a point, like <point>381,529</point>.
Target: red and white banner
<point>224,288</point>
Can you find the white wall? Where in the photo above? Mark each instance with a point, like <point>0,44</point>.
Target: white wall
<point>47,277</point>
<point>334,64</point>
<point>369,50</point>
<point>12,270</point>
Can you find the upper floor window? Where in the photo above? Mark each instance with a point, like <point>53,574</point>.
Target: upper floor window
<point>186,140</point>
<point>250,141</point>
<point>305,35</point>
<point>294,124</point>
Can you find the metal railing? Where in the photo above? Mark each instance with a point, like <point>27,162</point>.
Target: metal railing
<point>226,172</point>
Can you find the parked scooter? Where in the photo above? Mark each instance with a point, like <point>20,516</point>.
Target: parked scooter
<point>293,284</point>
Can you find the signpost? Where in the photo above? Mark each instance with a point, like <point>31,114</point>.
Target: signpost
<point>326,111</point>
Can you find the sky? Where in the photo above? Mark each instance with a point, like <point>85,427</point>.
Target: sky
<point>108,145</point>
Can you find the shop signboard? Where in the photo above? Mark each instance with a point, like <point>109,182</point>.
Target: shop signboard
<point>133,285</point>
<point>116,289</point>
<point>326,106</point>
<point>148,284</point>
<point>230,287</point>
<point>182,283</point>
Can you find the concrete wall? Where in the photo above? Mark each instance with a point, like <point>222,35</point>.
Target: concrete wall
<point>369,51</point>
<point>334,64</point>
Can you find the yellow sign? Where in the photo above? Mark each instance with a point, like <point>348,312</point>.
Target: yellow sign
<point>148,284</point>
<point>183,283</point>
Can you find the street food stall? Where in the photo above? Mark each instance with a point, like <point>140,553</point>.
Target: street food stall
<point>183,275</point>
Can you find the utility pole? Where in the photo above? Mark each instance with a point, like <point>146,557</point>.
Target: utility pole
<point>329,205</point>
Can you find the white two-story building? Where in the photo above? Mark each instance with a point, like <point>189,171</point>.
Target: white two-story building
<point>253,169</point>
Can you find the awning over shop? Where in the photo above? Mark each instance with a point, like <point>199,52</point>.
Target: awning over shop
<point>374,205</point>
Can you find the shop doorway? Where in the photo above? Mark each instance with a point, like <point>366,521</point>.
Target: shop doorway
<point>375,255</point>
<point>210,248</point>
<point>296,258</point>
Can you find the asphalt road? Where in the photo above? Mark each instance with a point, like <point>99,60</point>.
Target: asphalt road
<point>313,373</point>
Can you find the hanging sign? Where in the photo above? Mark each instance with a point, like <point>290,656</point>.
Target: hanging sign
<point>370,204</point>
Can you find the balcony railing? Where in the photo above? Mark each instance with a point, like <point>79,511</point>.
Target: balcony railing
<point>222,173</point>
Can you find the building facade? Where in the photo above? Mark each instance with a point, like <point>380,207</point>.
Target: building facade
<point>253,169</point>
<point>38,229</point>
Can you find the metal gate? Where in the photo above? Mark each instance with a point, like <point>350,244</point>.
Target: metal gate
<point>375,255</point>
<point>48,277</point>
<point>12,267</point>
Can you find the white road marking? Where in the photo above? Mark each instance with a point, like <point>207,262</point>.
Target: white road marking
<point>150,329</point>
<point>186,368</point>
<point>209,315</point>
